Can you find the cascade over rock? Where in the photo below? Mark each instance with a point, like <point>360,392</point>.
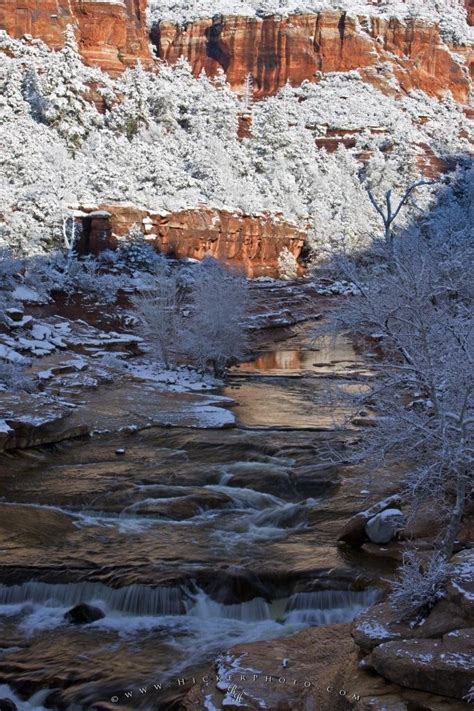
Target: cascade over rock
<point>276,50</point>
<point>111,33</point>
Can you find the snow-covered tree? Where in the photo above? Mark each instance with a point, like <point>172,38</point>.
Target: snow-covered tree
<point>287,264</point>
<point>61,91</point>
<point>159,311</point>
<point>214,333</point>
<point>132,113</point>
<point>418,305</point>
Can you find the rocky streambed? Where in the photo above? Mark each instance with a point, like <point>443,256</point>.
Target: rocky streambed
<point>195,553</point>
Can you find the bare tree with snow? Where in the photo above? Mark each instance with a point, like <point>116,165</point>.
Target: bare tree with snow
<point>418,308</point>
<point>160,317</point>
<point>214,333</point>
<point>389,211</point>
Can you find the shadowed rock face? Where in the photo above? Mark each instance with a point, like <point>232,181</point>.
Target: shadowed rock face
<point>275,50</point>
<point>111,33</point>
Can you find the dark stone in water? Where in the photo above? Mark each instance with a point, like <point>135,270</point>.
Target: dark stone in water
<point>8,705</point>
<point>83,614</point>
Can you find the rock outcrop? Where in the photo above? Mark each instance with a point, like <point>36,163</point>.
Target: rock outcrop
<point>276,50</point>
<point>444,667</point>
<point>435,656</point>
<point>83,614</point>
<point>31,420</point>
<point>469,5</point>
<point>112,34</point>
<point>249,242</point>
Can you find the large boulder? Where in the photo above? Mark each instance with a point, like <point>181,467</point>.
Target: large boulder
<point>83,614</point>
<point>383,527</point>
<point>439,666</point>
<point>354,532</point>
<point>8,705</point>
<point>376,625</point>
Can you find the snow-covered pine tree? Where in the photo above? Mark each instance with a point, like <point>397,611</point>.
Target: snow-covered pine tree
<point>63,90</point>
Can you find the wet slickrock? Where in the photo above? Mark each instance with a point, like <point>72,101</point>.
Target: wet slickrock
<point>314,669</point>
<point>32,420</point>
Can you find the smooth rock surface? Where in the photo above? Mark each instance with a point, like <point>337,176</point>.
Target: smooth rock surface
<point>383,527</point>
<point>444,666</point>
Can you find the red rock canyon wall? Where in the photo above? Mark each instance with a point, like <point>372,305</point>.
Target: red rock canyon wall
<point>111,33</point>
<point>250,243</point>
<point>275,50</point>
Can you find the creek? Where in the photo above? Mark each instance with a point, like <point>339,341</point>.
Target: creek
<point>189,540</point>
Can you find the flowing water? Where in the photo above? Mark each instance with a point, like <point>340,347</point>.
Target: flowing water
<point>189,542</point>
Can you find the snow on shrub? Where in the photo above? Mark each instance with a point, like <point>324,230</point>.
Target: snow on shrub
<point>420,585</point>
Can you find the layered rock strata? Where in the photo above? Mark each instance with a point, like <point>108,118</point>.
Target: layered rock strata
<point>252,243</point>
<point>112,34</point>
<point>276,50</point>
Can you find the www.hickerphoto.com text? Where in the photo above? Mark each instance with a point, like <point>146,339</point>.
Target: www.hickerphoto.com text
<point>232,680</point>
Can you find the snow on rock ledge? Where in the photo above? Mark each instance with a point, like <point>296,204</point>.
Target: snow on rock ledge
<point>30,420</point>
<point>249,242</point>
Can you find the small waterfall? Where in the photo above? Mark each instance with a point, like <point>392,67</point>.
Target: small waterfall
<point>34,703</point>
<point>285,516</point>
<point>327,607</point>
<point>131,599</point>
<point>245,498</point>
<point>202,606</point>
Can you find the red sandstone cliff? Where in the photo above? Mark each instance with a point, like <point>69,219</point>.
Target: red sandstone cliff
<point>275,50</point>
<point>252,243</point>
<point>469,5</point>
<point>111,33</point>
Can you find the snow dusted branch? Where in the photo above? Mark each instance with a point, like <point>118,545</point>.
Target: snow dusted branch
<point>417,304</point>
<point>390,213</point>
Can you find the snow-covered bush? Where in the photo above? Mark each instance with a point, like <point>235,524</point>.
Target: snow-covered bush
<point>214,333</point>
<point>420,584</point>
<point>160,317</point>
<point>134,252</point>
<point>14,378</point>
<point>287,264</point>
<point>85,276</point>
